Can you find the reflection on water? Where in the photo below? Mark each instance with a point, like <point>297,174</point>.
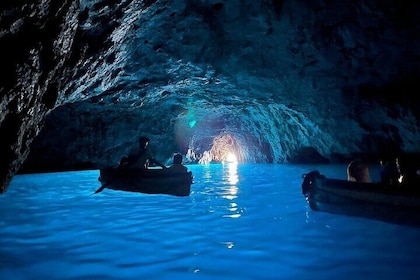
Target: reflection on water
<point>233,173</point>
<point>240,222</point>
<point>231,189</point>
<point>207,172</point>
<point>232,179</point>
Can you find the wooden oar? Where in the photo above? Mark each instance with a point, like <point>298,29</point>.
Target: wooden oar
<point>101,188</point>
<point>123,165</point>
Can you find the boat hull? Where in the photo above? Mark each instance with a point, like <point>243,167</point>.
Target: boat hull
<point>151,181</point>
<point>393,204</point>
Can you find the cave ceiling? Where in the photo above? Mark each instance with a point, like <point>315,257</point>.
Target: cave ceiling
<point>270,81</point>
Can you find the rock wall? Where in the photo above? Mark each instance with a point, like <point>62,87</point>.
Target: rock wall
<point>35,42</point>
<point>270,80</point>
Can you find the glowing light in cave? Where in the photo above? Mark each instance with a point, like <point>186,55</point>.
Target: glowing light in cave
<point>231,158</point>
<point>226,149</point>
<point>192,123</point>
<point>191,115</point>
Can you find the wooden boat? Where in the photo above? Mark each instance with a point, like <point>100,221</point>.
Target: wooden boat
<point>150,181</point>
<point>395,204</point>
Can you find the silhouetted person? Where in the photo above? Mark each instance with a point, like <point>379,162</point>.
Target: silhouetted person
<point>140,158</point>
<point>358,171</point>
<point>177,166</point>
<point>408,171</point>
<point>389,172</point>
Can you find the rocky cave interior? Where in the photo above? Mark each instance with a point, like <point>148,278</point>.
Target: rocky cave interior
<point>270,81</point>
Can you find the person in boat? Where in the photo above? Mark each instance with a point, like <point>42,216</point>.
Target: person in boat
<point>389,172</point>
<point>408,171</point>
<point>141,158</point>
<point>358,171</point>
<point>177,166</point>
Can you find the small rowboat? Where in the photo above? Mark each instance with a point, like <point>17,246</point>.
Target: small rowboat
<point>150,181</point>
<point>395,204</point>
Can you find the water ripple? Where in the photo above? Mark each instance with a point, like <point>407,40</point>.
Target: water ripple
<point>240,222</point>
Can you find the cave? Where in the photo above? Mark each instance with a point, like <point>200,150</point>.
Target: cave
<point>250,81</point>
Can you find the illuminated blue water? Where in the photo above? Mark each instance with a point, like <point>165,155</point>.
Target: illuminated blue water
<point>240,222</point>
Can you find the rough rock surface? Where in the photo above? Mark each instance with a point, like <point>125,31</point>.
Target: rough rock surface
<point>35,43</point>
<point>271,81</point>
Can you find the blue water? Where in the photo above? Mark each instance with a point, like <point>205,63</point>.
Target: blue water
<point>240,222</point>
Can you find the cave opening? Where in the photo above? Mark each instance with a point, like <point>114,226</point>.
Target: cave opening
<point>225,148</point>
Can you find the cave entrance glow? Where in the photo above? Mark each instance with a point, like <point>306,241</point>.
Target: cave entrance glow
<point>225,149</point>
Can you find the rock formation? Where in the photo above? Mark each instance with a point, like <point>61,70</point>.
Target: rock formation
<point>270,81</point>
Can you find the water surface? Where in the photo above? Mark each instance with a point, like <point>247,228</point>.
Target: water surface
<point>240,222</point>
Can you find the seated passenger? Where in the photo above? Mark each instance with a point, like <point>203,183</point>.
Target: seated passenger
<point>389,172</point>
<point>177,167</point>
<point>408,171</point>
<point>358,171</point>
